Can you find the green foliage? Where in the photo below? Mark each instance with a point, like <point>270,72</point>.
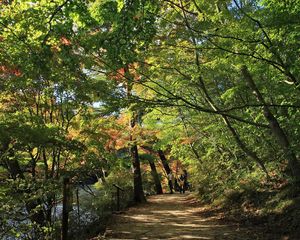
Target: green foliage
<point>74,73</point>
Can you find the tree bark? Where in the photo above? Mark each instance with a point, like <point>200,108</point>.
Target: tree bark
<point>234,133</point>
<point>164,161</point>
<point>137,176</point>
<point>278,132</point>
<point>155,176</point>
<point>65,213</point>
<point>187,134</point>
<point>139,195</point>
<point>210,101</point>
<point>243,146</point>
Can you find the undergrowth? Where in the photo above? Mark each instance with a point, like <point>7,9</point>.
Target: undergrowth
<point>275,206</point>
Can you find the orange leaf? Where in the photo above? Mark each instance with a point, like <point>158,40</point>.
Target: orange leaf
<point>65,41</point>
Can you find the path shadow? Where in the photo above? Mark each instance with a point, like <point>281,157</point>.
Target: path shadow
<point>170,216</point>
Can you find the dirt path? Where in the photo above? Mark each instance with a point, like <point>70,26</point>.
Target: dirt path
<point>171,216</point>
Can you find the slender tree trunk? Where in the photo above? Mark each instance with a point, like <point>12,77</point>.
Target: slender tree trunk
<point>164,161</point>
<point>210,101</point>
<point>101,176</point>
<point>155,176</point>
<point>276,129</point>
<point>53,162</point>
<point>139,195</point>
<point>236,136</point>
<point>65,213</point>
<point>137,176</point>
<point>46,166</point>
<point>154,173</point>
<point>187,135</point>
<point>243,146</point>
<point>58,163</point>
<point>167,169</point>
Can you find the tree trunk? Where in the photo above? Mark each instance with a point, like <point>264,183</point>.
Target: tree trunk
<point>210,101</point>
<point>243,146</point>
<point>237,138</point>
<point>164,161</point>
<point>155,176</point>
<point>276,129</point>
<point>100,175</point>
<point>65,212</point>
<point>187,135</point>
<point>167,168</point>
<point>137,176</point>
<point>46,166</point>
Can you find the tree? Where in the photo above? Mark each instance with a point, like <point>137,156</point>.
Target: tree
<point>202,47</point>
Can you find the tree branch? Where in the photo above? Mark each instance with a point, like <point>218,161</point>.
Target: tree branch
<point>58,9</point>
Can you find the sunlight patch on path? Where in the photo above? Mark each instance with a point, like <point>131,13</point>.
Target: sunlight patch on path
<point>169,217</point>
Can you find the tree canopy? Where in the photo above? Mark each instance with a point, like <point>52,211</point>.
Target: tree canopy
<point>131,90</point>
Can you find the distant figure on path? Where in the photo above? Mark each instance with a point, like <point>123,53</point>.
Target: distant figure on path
<point>181,182</point>
<point>176,185</point>
<point>186,184</point>
<point>170,181</point>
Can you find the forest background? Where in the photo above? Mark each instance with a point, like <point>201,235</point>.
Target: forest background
<point>130,90</point>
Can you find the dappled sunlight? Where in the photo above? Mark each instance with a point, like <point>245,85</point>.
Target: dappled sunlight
<point>169,217</point>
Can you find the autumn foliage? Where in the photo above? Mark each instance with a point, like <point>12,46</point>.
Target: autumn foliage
<point>9,71</point>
